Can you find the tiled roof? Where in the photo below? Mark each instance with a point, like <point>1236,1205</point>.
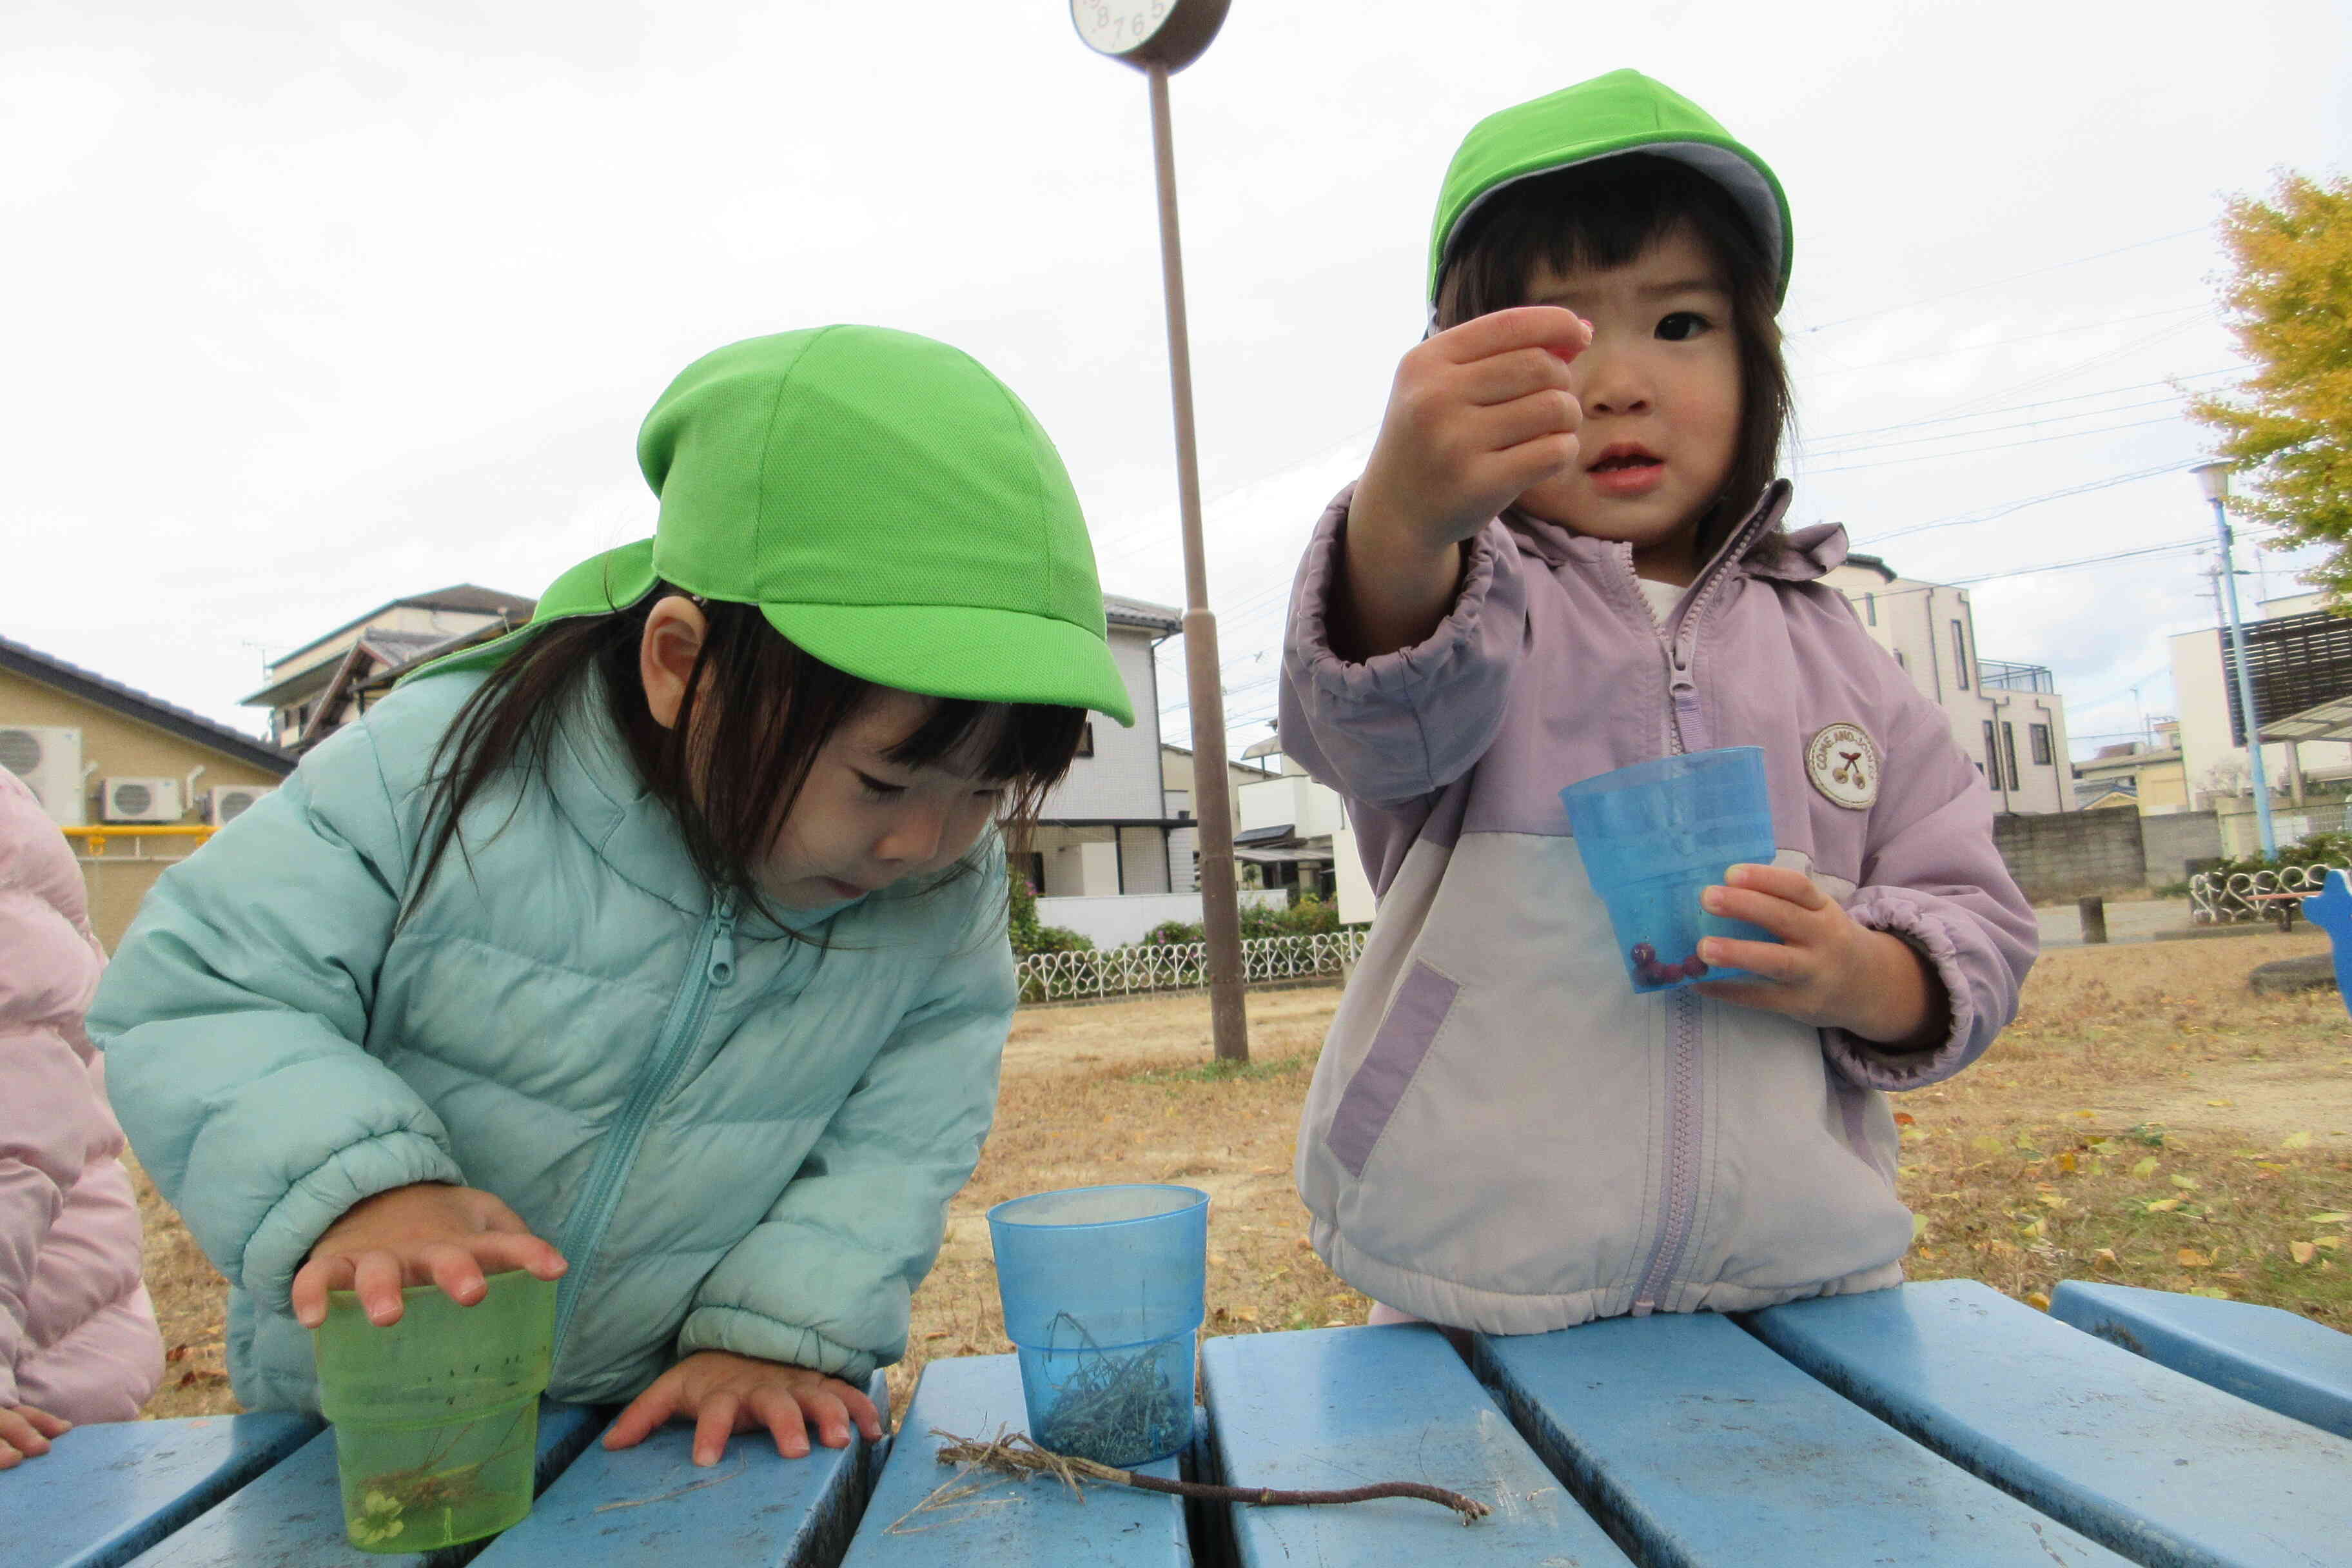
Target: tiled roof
<point>132,703</point>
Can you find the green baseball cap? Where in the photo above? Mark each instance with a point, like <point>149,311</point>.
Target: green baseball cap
<point>1623,112</point>
<point>890,506</point>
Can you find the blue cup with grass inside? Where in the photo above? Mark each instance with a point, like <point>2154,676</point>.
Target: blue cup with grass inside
<point>1104,1289</point>
<point>1655,836</point>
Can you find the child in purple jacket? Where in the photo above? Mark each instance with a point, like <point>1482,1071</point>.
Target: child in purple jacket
<point>1564,556</point>
<point>78,1338</point>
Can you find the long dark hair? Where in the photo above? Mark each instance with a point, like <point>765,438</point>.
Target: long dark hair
<point>756,710</point>
<point>1604,214</point>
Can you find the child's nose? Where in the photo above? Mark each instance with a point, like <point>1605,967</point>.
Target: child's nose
<point>913,838</point>
<point>1611,379</point>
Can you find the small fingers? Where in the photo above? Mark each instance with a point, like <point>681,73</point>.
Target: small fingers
<point>378,1277</point>
<point>786,1419</point>
<point>499,1251</point>
<point>1780,882</point>
<point>19,1437</point>
<point>1773,961</point>
<point>311,1283</point>
<point>712,1425</point>
<point>453,1268</point>
<point>1512,375</point>
<point>862,1410</point>
<point>46,1425</point>
<point>647,1412</point>
<point>1523,326</point>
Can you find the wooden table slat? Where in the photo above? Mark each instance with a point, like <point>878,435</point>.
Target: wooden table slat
<point>1707,1450</point>
<point>1333,1409</point>
<point>1008,1523</point>
<point>2272,1358</point>
<point>293,1517</point>
<point>103,1494</point>
<point>2154,1465</point>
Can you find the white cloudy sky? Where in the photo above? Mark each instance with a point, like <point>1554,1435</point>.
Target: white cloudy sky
<point>308,305</point>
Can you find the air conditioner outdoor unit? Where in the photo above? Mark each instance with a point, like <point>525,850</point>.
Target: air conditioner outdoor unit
<point>49,759</point>
<point>139,800</point>
<point>225,804</point>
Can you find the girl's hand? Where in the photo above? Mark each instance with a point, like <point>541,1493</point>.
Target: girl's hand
<point>726,1393</point>
<point>25,1434</point>
<point>1825,971</point>
<point>427,1234</point>
<point>1478,414</point>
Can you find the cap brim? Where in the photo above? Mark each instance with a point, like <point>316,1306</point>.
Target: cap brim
<point>597,587</point>
<point>976,654</point>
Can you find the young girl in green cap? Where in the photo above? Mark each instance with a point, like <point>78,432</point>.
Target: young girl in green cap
<point>658,945</point>
<point>1565,557</point>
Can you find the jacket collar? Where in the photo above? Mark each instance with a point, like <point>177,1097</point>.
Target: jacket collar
<point>1755,547</point>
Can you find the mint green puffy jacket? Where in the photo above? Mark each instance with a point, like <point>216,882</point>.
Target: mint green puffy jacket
<point>739,1142</point>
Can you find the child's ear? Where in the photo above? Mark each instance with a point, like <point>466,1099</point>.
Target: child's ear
<point>667,655</point>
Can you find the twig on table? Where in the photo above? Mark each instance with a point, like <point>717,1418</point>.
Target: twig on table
<point>1016,1454</point>
<point>664,1496</point>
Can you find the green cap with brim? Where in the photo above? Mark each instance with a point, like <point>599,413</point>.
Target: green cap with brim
<point>890,506</point>
<point>1623,112</point>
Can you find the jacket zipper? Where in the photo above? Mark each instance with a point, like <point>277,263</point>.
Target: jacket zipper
<point>1683,1069</point>
<point>713,969</point>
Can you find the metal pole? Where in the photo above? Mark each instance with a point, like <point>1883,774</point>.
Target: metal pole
<point>2245,685</point>
<point>1221,917</point>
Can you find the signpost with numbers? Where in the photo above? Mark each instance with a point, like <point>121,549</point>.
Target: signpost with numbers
<point>1159,37</point>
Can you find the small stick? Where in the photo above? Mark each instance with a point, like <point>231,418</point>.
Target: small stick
<point>1017,1454</point>
<point>664,1496</point>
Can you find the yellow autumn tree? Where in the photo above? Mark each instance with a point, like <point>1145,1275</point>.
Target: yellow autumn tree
<point>2288,426</point>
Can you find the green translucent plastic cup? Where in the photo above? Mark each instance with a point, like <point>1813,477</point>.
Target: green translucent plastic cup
<point>436,1417</point>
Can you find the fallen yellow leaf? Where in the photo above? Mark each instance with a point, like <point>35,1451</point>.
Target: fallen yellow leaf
<point>2329,1243</point>
<point>2189,1257</point>
<point>1918,1227</point>
<point>2038,1300</point>
<point>2066,1161</point>
<point>2145,1168</point>
<point>2333,1216</point>
<point>2103,1260</point>
<point>2034,1229</point>
<point>2301,1251</point>
<point>2164,1206</point>
<point>1986,1143</point>
<point>2294,1140</point>
<point>2222,1104</point>
<point>2086,1115</point>
<point>2051,1200</point>
<point>2187,1184</point>
<point>2213,1292</point>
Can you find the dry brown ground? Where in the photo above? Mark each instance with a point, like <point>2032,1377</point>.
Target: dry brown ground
<point>2054,1157</point>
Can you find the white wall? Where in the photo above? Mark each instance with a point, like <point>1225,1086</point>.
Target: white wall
<point>2201,674</point>
<point>1356,904</point>
<point>1116,921</point>
<point>1311,809</point>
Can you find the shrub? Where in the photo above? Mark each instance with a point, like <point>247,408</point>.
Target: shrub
<point>1029,935</point>
<point>2319,850</point>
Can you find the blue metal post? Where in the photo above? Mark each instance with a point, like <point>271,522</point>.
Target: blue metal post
<point>2245,685</point>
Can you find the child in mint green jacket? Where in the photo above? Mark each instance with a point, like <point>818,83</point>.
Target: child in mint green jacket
<point>659,945</point>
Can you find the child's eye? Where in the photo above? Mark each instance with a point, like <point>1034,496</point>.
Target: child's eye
<point>878,789</point>
<point>1679,326</point>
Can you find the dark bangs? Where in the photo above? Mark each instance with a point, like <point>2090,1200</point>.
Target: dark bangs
<point>1605,213</point>
<point>756,711</point>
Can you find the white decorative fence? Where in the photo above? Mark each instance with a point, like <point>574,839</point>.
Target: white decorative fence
<point>2219,900</point>
<point>1125,971</point>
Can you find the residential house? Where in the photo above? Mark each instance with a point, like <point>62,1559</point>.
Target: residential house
<point>1298,832</point>
<point>100,753</point>
<point>2299,658</point>
<point>2147,777</point>
<point>2008,719</point>
<point>331,679</point>
<point>1176,781</point>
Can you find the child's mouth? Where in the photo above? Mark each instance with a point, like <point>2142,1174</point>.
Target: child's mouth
<point>1627,473</point>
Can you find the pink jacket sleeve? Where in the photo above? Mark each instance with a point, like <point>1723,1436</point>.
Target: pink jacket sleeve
<point>77,1335</point>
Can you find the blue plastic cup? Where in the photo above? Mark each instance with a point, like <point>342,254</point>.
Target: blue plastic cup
<point>1656,835</point>
<point>1104,1289</point>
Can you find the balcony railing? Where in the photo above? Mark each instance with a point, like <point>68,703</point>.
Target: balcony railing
<point>1998,675</point>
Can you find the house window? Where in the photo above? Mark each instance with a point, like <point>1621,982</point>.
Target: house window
<point>2009,750</point>
<point>2038,734</point>
<point>1900,662</point>
<point>1960,655</point>
<point>1991,756</point>
<point>1087,740</point>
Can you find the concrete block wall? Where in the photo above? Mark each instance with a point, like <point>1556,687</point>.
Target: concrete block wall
<point>2056,856</point>
<point>2170,842</point>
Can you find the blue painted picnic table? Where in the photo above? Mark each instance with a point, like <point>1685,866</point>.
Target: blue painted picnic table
<point>1934,1424</point>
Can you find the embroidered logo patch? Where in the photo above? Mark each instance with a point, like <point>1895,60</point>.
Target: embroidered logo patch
<point>1843,762</point>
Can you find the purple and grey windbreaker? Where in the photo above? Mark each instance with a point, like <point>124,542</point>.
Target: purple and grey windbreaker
<point>1501,1134</point>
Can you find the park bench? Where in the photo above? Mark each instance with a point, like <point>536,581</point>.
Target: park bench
<point>1938,1423</point>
